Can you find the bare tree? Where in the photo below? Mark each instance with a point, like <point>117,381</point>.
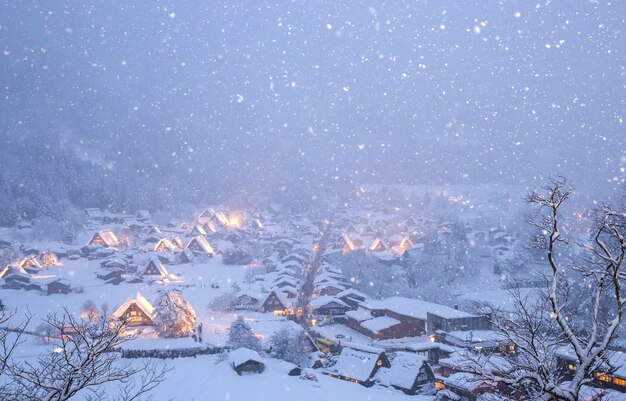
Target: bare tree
<point>546,327</point>
<point>82,361</point>
<point>11,336</point>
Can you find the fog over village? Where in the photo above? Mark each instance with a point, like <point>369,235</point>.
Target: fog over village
<point>318,201</point>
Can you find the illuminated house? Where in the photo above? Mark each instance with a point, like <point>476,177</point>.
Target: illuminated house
<point>105,238</point>
<point>30,263</point>
<point>154,267</point>
<point>197,230</point>
<point>164,245</point>
<point>136,312</point>
<point>277,303</point>
<point>345,244</point>
<point>209,227</point>
<point>611,375</point>
<point>378,246</point>
<point>177,242</point>
<point>401,246</point>
<point>357,364</point>
<point>198,245</point>
<point>408,373</point>
<point>326,305</point>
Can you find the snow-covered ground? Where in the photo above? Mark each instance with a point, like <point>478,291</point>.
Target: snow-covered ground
<point>207,378</point>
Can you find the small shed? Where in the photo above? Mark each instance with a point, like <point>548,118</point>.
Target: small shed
<point>246,361</point>
<point>60,286</point>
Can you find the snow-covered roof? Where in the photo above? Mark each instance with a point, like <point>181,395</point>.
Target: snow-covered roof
<point>462,380</point>
<point>350,292</point>
<point>482,337</point>
<point>202,243</point>
<point>380,323</point>
<point>359,315</point>
<point>164,242</point>
<point>355,364</point>
<point>141,302</point>
<point>415,308</point>
<point>197,230</point>
<point>403,371</point>
<point>108,236</point>
<point>243,355</point>
<point>322,301</point>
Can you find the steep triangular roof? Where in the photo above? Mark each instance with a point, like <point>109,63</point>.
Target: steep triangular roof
<point>378,246</point>
<point>164,244</point>
<point>197,230</point>
<point>200,244</point>
<point>106,238</point>
<point>141,302</point>
<point>154,230</point>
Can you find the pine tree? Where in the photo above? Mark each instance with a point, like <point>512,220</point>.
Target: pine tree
<point>175,316</point>
<point>241,335</point>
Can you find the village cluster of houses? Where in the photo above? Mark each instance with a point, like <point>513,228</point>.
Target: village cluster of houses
<point>407,344</point>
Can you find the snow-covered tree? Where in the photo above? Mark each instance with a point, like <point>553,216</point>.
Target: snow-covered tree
<point>546,325</point>
<point>240,334</point>
<point>237,255</point>
<point>223,303</point>
<point>175,316</point>
<point>290,345</point>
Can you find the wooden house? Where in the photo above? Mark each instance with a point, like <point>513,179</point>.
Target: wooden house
<point>357,363</point>
<point>15,281</point>
<point>378,246</point>
<point>276,303</point>
<point>164,245</point>
<point>115,264</point>
<point>293,257</point>
<point>154,267</point>
<point>329,306</point>
<point>106,274</point>
<point>105,238</point>
<point>154,230</point>
<point>408,373</point>
<point>198,245</point>
<point>177,242</point>
<point>209,227</point>
<point>185,256</point>
<point>329,288</point>
<point>247,300</point>
<point>136,312</point>
<point>30,264</point>
<point>468,385</point>
<point>59,286</point>
<point>352,297</point>
<point>345,244</point>
<point>196,230</point>
<point>246,361</point>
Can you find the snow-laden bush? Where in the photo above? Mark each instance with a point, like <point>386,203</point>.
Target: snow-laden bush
<point>240,334</point>
<point>290,345</point>
<point>223,303</point>
<point>237,256</point>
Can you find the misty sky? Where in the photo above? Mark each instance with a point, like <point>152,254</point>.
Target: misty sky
<point>259,92</point>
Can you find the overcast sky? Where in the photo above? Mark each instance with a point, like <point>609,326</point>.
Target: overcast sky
<point>345,91</point>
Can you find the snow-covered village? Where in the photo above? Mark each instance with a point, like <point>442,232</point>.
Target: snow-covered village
<point>312,201</point>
